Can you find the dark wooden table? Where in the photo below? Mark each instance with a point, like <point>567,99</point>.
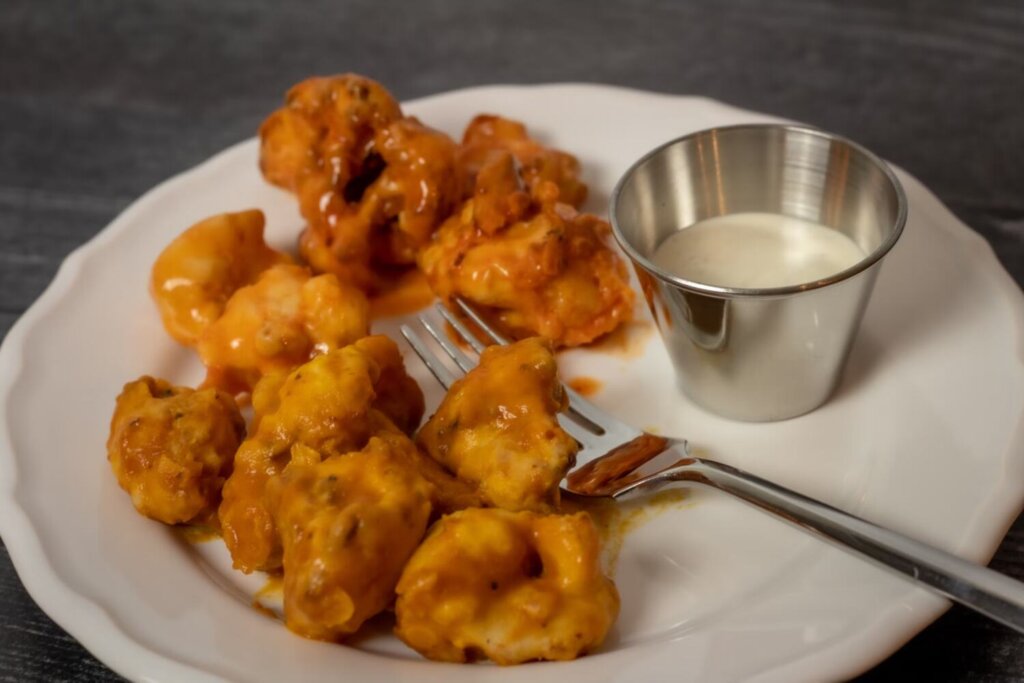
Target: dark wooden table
<point>100,100</point>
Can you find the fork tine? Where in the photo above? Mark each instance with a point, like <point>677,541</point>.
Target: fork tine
<point>586,411</point>
<point>462,360</point>
<point>496,337</point>
<point>460,327</point>
<point>437,369</point>
<point>584,437</point>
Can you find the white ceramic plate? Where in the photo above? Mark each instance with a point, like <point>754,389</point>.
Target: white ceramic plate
<point>924,435</point>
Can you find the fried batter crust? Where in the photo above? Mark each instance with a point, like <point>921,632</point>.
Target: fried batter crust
<point>497,428</point>
<point>195,275</point>
<point>372,185</point>
<point>172,447</point>
<point>279,322</point>
<point>536,268</point>
<point>511,587</point>
<point>539,165</point>
<point>347,524</point>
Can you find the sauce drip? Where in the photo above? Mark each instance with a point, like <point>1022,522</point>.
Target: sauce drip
<point>615,520</point>
<point>585,386</point>
<point>625,341</point>
<point>409,293</point>
<point>197,533</point>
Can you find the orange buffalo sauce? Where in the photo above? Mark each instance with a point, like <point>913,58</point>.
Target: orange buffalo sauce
<point>615,520</point>
<point>585,386</point>
<point>626,341</point>
<point>407,294</point>
<point>272,591</point>
<point>197,533</point>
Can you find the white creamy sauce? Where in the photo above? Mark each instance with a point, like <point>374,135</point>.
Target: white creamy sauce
<point>756,250</point>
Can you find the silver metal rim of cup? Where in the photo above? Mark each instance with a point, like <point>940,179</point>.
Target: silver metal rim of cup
<point>700,287</point>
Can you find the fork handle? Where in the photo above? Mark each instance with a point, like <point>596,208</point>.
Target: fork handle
<point>986,591</point>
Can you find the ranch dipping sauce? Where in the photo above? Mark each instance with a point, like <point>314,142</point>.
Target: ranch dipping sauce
<point>756,250</point>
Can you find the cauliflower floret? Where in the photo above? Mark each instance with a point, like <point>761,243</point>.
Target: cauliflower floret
<point>197,273</point>
<point>171,448</point>
<point>279,322</point>
<point>533,267</point>
<point>372,185</point>
<point>512,587</point>
<point>347,524</point>
<point>497,428</point>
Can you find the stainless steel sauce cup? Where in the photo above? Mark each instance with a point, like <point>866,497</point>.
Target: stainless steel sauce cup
<point>758,354</point>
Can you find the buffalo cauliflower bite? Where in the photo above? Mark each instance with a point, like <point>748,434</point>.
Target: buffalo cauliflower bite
<point>172,447</point>
<point>541,167</point>
<point>327,405</point>
<point>279,322</point>
<point>326,127</point>
<point>322,405</point>
<point>511,587</point>
<point>534,268</point>
<point>396,394</point>
<point>497,428</point>
<point>197,273</point>
<point>372,185</point>
<point>347,525</point>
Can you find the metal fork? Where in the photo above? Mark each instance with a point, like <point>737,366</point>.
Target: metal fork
<point>611,451</point>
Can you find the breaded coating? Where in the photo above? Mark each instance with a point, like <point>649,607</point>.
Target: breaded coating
<point>372,185</point>
<point>511,587</point>
<point>448,493</point>
<point>497,428</point>
<point>279,322</point>
<point>533,268</point>
<point>327,405</point>
<point>326,126</point>
<point>172,447</point>
<point>347,525</point>
<point>540,166</point>
<point>397,395</point>
<point>197,273</point>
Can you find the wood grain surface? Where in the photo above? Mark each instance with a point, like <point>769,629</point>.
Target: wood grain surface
<point>101,100</point>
